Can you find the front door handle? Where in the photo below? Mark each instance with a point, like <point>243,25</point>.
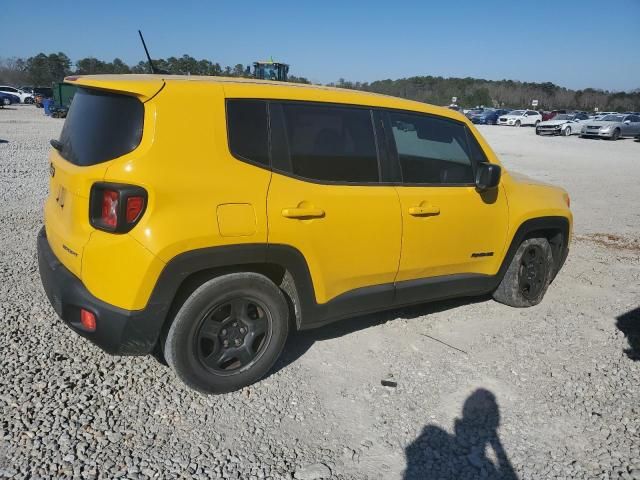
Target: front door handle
<point>303,212</point>
<point>424,210</point>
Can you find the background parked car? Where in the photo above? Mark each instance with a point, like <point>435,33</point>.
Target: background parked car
<point>518,118</point>
<point>612,127</point>
<point>24,96</point>
<point>563,124</point>
<point>489,117</point>
<point>476,111</point>
<point>8,99</point>
<point>549,115</point>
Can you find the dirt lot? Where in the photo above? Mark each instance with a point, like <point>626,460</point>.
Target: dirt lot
<point>483,390</point>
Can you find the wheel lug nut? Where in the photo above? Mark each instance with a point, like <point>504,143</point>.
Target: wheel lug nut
<point>225,344</point>
<point>242,329</point>
<point>235,324</point>
<point>237,342</point>
<point>223,332</point>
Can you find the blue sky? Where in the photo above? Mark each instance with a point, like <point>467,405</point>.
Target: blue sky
<point>576,43</point>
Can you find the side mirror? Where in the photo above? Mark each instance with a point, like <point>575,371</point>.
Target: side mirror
<point>487,176</point>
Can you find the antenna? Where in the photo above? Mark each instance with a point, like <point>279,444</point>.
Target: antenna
<point>151,65</point>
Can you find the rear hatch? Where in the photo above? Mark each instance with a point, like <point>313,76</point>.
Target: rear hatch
<point>103,124</point>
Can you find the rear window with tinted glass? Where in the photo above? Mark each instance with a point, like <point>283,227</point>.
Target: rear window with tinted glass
<point>101,126</point>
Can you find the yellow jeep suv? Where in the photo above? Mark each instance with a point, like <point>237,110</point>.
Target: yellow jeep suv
<point>202,219</point>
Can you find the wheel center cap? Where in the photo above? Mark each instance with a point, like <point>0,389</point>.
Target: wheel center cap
<point>233,334</point>
<point>531,271</point>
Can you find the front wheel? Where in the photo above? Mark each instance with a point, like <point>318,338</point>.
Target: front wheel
<point>228,333</point>
<point>537,123</point>
<point>6,101</point>
<point>28,100</point>
<point>518,123</point>
<point>528,276</point>
<point>567,132</point>
<point>616,135</point>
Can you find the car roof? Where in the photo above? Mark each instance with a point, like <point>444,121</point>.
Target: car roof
<point>146,86</point>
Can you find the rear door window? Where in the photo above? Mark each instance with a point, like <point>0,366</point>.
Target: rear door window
<point>101,126</point>
<point>432,150</point>
<point>324,142</point>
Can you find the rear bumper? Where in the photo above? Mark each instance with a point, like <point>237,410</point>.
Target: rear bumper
<point>118,331</point>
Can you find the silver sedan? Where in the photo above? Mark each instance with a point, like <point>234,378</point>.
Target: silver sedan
<point>612,127</point>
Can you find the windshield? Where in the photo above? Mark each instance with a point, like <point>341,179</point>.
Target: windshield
<point>563,116</point>
<point>517,112</point>
<point>612,118</point>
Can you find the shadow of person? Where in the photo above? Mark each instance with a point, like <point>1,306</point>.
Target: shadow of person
<point>629,324</point>
<point>437,455</point>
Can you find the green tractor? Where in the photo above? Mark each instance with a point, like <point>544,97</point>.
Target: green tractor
<point>270,70</point>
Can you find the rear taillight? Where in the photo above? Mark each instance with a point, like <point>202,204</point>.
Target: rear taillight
<point>116,207</point>
<point>109,217</point>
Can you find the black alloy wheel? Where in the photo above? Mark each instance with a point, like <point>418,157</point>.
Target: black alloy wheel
<point>533,272</point>
<point>233,335</point>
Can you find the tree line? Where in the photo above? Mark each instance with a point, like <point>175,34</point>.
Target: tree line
<point>45,69</point>
<point>472,92</point>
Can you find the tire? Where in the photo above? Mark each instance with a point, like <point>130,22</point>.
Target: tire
<point>537,123</point>
<point>28,100</point>
<point>518,123</point>
<point>537,131</point>
<point>228,333</point>
<point>528,276</point>
<point>6,101</point>
<point>616,135</point>
<point>567,132</point>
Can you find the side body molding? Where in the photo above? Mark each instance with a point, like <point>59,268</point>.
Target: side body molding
<point>310,314</point>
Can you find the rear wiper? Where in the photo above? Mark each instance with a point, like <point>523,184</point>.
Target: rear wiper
<point>56,144</point>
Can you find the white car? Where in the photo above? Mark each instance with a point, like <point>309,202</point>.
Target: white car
<point>25,97</point>
<point>563,124</point>
<point>518,118</point>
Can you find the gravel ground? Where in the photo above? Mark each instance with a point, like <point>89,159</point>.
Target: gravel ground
<point>483,390</point>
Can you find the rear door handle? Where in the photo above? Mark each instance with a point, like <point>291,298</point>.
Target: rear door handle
<point>303,213</point>
<point>424,210</point>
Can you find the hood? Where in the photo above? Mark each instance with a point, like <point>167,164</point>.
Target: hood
<point>550,123</point>
<point>521,178</point>
<point>603,124</point>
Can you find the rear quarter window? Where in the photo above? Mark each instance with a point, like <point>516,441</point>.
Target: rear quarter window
<point>101,126</point>
<point>248,130</point>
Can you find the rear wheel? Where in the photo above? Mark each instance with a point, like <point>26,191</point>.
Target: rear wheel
<point>28,100</point>
<point>228,333</point>
<point>528,276</point>
<point>6,101</point>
